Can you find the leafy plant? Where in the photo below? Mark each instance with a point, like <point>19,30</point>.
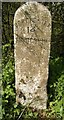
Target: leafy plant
<point>11,110</point>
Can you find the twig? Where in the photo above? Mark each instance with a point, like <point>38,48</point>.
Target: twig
<point>22,113</point>
<point>25,108</point>
<point>57,22</point>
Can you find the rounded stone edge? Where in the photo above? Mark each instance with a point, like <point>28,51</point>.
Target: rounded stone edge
<point>23,7</point>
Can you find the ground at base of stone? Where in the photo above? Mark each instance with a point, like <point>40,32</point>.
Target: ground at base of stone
<point>45,119</point>
<point>49,119</point>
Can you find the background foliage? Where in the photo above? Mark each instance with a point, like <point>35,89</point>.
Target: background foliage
<point>55,109</point>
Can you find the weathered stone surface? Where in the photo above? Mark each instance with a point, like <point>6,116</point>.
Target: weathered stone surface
<point>32,35</point>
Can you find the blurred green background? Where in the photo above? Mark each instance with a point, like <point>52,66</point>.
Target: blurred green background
<point>55,88</point>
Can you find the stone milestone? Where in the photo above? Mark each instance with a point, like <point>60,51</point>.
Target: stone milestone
<point>32,36</point>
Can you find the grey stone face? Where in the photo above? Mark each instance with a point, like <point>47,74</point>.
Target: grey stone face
<point>32,35</point>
